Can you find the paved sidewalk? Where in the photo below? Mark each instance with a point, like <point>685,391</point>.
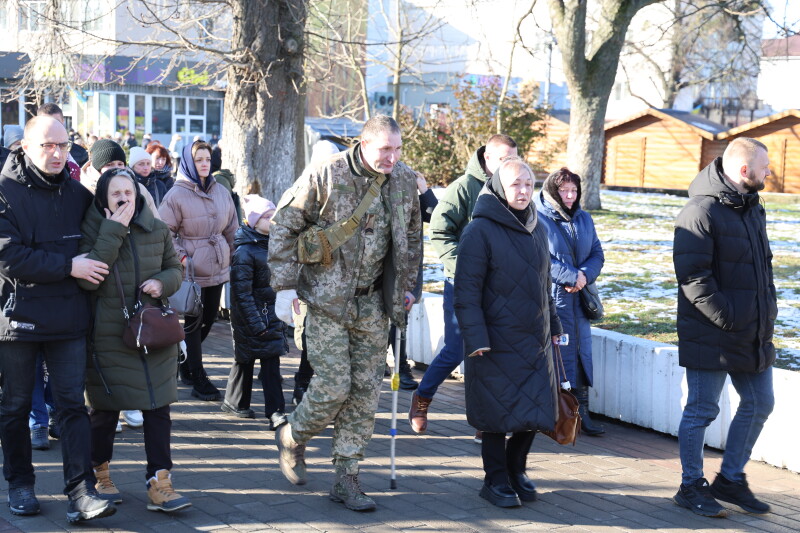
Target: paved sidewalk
<point>622,481</point>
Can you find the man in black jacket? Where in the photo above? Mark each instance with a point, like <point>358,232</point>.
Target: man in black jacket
<point>727,307</point>
<point>44,310</point>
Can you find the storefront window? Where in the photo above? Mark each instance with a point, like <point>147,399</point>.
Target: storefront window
<point>213,117</point>
<point>180,106</point>
<point>196,125</point>
<point>105,125</point>
<point>10,114</point>
<point>196,106</point>
<point>180,125</point>
<point>123,112</point>
<point>138,119</point>
<point>162,114</point>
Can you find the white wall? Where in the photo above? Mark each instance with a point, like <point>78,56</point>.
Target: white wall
<point>773,87</point>
<point>640,382</point>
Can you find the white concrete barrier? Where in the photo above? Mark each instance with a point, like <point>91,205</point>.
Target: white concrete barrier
<point>640,382</point>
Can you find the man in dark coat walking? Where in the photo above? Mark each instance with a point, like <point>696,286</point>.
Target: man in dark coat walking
<point>45,311</point>
<point>727,307</point>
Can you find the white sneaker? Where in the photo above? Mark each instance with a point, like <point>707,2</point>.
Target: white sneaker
<point>119,426</point>
<point>134,419</point>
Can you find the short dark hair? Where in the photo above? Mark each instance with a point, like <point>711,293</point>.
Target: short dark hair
<point>564,175</point>
<point>499,138</point>
<point>378,124</point>
<point>49,109</point>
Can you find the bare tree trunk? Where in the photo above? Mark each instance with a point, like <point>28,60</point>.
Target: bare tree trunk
<point>263,95</point>
<point>590,69</point>
<point>586,144</point>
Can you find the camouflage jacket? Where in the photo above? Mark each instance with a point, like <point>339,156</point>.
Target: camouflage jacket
<point>322,195</point>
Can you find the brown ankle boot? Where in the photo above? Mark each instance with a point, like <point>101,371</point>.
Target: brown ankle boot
<point>105,487</point>
<point>418,414</point>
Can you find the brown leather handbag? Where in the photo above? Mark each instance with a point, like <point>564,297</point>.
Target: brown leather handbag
<point>569,421</point>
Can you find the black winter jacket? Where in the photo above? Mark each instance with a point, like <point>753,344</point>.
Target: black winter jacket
<point>727,303</point>
<point>40,229</point>
<point>154,186</point>
<point>257,331</point>
<point>502,302</point>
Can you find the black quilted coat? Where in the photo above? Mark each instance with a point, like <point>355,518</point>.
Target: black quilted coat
<point>503,302</point>
<point>726,301</point>
<point>258,333</point>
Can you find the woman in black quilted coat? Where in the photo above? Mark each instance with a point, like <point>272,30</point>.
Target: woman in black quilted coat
<point>509,323</point>
<point>258,334</point>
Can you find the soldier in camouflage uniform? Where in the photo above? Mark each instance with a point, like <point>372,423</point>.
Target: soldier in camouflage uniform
<point>351,300</point>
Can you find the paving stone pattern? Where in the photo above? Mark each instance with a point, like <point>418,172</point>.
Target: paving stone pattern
<point>622,481</point>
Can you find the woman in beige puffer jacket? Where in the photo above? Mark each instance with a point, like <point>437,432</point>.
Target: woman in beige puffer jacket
<point>202,218</point>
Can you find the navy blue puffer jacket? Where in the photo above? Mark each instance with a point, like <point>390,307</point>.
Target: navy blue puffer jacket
<point>567,236</point>
<point>502,302</point>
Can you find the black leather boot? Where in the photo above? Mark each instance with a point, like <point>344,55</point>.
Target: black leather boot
<point>588,426</point>
<point>407,381</point>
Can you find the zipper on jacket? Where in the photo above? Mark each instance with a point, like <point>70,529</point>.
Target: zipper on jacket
<point>99,371</point>
<point>147,378</point>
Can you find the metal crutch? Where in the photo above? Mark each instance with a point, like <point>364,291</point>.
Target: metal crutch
<point>399,339</point>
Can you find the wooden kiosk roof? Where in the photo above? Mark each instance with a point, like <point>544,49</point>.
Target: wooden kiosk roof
<point>696,123</point>
<point>733,132</point>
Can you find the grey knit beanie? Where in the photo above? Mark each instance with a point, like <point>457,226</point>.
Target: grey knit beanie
<point>11,134</point>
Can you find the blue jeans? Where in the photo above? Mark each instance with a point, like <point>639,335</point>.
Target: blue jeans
<point>702,407</point>
<point>451,355</point>
<point>66,363</point>
<point>42,398</point>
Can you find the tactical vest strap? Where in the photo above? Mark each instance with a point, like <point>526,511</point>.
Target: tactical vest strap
<point>340,232</point>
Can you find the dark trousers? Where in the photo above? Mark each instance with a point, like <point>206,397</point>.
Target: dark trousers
<point>501,458</point>
<point>403,354</point>
<point>194,340</point>
<point>239,391</point>
<point>66,364</point>
<point>304,372</point>
<point>157,428</point>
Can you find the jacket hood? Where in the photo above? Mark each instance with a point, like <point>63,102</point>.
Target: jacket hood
<point>247,235</point>
<point>20,168</point>
<point>491,207</point>
<point>225,174</point>
<point>711,182</point>
<point>476,165</point>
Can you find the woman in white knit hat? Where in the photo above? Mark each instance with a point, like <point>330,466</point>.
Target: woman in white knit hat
<point>142,165</point>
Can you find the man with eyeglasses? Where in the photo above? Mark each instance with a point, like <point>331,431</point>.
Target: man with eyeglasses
<point>43,310</point>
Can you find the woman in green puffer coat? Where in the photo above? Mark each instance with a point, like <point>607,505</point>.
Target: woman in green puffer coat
<point>121,231</point>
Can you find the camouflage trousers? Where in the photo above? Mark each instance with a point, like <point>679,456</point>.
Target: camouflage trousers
<point>348,361</point>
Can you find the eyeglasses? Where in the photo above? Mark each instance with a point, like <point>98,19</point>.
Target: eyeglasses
<point>50,147</point>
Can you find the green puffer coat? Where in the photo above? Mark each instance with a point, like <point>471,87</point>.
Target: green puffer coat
<point>118,377</point>
<point>454,211</point>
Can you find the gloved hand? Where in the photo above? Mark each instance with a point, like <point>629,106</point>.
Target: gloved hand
<point>284,301</point>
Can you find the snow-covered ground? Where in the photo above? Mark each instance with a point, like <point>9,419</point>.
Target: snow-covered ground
<point>638,279</point>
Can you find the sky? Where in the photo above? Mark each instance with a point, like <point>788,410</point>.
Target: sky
<point>788,10</point>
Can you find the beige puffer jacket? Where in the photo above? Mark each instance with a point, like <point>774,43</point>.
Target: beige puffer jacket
<point>203,225</point>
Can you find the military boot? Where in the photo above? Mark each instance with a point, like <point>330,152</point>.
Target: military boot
<point>347,490</point>
<point>291,455</point>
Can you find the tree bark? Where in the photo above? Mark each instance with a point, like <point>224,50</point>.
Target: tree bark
<point>262,100</point>
<point>590,69</point>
